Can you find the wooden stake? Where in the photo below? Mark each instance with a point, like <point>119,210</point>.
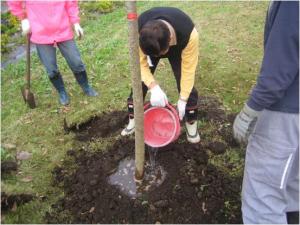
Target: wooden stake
<point>137,89</point>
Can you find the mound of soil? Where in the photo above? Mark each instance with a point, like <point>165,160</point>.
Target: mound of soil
<point>111,123</point>
<point>194,190</point>
<point>8,166</point>
<point>9,202</point>
<point>211,109</point>
<point>99,126</point>
<point>217,147</point>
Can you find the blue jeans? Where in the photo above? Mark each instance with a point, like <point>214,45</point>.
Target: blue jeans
<point>69,50</point>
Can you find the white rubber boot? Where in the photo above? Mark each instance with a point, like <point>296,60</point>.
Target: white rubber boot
<point>129,129</point>
<point>192,133</point>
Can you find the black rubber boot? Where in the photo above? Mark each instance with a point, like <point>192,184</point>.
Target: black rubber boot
<point>293,217</point>
<point>58,83</point>
<point>82,80</point>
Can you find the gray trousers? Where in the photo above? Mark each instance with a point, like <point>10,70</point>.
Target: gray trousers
<point>271,175</point>
<point>69,50</point>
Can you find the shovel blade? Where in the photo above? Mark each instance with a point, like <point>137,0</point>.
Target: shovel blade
<point>30,100</point>
<point>28,97</point>
<point>24,92</point>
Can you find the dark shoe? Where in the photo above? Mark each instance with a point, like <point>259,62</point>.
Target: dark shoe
<point>63,98</point>
<point>82,80</point>
<point>89,91</point>
<point>293,217</point>
<point>58,83</point>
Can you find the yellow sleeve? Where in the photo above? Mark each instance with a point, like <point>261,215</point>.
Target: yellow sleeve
<point>146,74</point>
<point>189,61</point>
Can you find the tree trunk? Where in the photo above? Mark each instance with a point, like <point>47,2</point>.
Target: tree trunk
<point>137,89</point>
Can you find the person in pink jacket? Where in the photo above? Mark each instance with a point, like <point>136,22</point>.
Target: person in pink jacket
<point>49,24</point>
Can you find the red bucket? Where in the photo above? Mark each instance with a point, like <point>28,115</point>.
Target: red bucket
<point>161,125</point>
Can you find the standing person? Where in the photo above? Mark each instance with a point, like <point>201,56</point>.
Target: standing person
<point>166,32</point>
<point>270,119</point>
<point>50,24</point>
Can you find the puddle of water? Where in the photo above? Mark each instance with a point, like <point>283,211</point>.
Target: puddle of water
<point>124,178</point>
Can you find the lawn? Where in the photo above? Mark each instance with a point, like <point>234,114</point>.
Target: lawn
<point>231,47</point>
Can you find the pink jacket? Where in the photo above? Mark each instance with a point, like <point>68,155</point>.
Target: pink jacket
<point>50,21</point>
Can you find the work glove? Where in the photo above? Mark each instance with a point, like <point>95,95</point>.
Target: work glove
<point>158,97</point>
<point>78,30</point>
<point>244,124</point>
<point>181,105</point>
<point>25,26</point>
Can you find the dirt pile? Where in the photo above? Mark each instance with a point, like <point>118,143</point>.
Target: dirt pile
<point>99,126</point>
<point>8,167</point>
<point>194,190</point>
<point>10,202</point>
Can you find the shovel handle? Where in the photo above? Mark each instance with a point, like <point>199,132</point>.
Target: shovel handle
<point>28,60</point>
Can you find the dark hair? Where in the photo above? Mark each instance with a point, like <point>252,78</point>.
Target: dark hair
<point>154,37</point>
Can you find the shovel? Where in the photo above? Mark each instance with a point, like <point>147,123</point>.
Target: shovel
<point>26,93</point>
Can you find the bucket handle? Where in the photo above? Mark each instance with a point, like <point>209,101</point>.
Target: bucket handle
<point>168,105</point>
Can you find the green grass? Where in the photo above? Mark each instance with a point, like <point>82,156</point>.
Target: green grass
<point>231,35</point>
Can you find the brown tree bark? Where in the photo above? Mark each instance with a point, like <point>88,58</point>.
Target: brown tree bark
<point>137,89</point>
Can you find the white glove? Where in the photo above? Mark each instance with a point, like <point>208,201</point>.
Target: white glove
<point>244,123</point>
<point>78,30</point>
<point>25,26</point>
<point>181,105</point>
<point>158,97</point>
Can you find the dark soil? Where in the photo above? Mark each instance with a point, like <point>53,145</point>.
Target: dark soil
<point>217,147</point>
<point>99,126</point>
<point>8,166</point>
<point>10,202</point>
<point>211,109</point>
<point>109,123</point>
<point>194,190</point>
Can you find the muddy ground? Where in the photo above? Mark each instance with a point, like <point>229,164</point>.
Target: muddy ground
<point>194,190</point>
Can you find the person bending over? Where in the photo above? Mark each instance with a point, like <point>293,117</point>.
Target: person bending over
<point>166,32</point>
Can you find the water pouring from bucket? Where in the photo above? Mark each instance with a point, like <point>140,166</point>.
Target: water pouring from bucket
<point>161,127</point>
